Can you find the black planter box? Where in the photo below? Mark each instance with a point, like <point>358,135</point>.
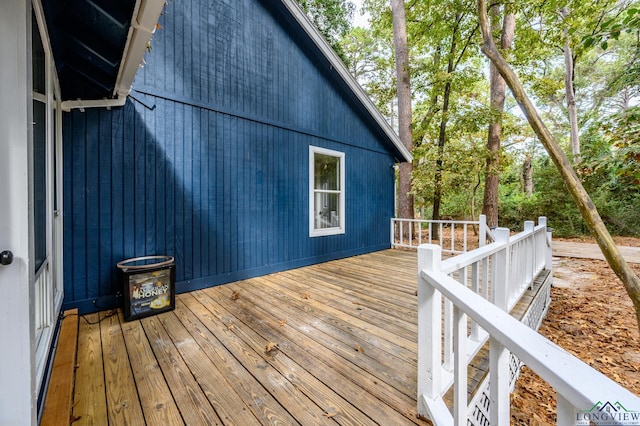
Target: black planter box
<point>148,285</point>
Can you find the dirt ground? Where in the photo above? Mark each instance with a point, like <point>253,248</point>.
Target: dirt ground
<point>621,241</point>
<point>592,317</point>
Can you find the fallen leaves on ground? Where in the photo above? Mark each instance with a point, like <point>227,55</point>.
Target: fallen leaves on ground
<point>271,347</point>
<point>235,295</point>
<point>305,295</point>
<point>330,413</point>
<point>594,320</point>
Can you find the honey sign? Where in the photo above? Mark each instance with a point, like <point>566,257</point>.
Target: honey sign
<point>148,290</point>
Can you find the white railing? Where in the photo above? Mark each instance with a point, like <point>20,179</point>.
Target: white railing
<point>451,235</point>
<point>492,277</point>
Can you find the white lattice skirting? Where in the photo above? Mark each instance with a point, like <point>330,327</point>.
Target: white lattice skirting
<point>479,406</point>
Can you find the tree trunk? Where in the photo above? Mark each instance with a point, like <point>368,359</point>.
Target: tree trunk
<point>442,138</point>
<point>581,197</point>
<point>405,198</point>
<point>527,176</point>
<point>442,134</point>
<point>570,93</point>
<point>497,96</point>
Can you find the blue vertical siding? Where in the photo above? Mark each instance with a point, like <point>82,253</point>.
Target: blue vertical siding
<point>217,173</point>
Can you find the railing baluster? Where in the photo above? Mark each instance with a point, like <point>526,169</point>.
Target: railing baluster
<point>475,276</point>
<point>403,233</point>
<point>499,376</point>
<point>453,237</point>
<point>410,234</point>
<point>485,278</point>
<point>464,241</point>
<point>448,335</point>
<point>460,369</point>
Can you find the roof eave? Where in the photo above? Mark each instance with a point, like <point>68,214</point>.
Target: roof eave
<point>346,76</point>
<point>143,24</point>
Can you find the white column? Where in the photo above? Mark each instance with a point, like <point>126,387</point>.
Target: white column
<point>17,360</point>
<point>482,232</point>
<point>500,287</point>
<point>566,412</point>
<point>549,253</point>
<point>429,327</point>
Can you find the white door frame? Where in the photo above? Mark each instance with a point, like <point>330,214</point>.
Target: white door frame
<point>21,357</point>
<point>47,282</point>
<point>17,358</point>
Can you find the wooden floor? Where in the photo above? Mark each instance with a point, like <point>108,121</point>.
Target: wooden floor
<point>344,351</point>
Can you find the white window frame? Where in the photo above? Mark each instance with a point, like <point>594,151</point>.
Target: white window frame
<point>340,229</point>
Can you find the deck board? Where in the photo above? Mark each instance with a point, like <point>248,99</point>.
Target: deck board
<point>221,393</point>
<point>123,402</point>
<point>156,400</point>
<point>247,348</point>
<point>90,403</point>
<point>346,352</point>
<point>188,395</point>
<point>58,405</point>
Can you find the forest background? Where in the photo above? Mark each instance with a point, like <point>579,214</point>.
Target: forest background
<point>452,109</point>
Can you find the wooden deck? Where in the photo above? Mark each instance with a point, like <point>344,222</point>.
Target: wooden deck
<point>345,352</point>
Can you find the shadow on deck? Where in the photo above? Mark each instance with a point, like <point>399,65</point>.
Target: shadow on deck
<point>345,351</point>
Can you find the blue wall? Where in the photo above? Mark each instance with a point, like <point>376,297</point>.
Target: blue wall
<point>210,164</point>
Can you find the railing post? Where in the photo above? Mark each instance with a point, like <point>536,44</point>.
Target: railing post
<point>392,234</point>
<point>482,236</point>
<point>429,327</point>
<point>500,287</point>
<point>529,256</point>
<point>565,412</point>
<point>549,249</point>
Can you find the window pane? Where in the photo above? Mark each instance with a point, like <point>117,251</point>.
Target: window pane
<point>38,59</point>
<point>39,183</point>
<point>327,172</point>
<point>327,210</point>
<point>38,63</point>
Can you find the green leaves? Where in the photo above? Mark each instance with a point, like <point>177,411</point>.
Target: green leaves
<point>333,19</point>
<point>622,21</point>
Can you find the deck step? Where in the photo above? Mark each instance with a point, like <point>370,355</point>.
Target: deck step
<point>57,406</point>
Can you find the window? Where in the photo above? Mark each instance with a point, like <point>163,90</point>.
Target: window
<point>326,192</point>
<point>39,64</point>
